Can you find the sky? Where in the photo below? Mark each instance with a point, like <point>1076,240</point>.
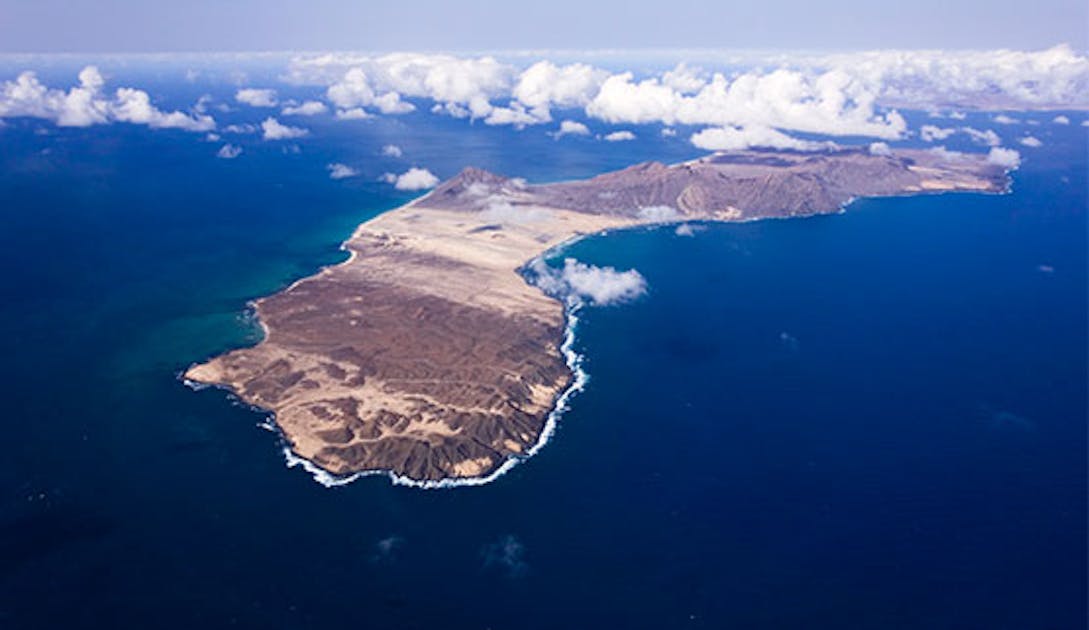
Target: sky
<point>128,26</point>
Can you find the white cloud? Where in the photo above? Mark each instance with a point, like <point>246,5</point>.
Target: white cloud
<point>600,285</point>
<point>619,136</point>
<point>830,103</point>
<point>516,115</point>
<point>668,132</point>
<point>930,133</point>
<point>392,150</point>
<point>381,82</point>
<point>340,171</point>
<point>1003,119</point>
<point>687,229</point>
<point>946,155</point>
<point>603,285</point>
<point>545,85</point>
<point>86,104</point>
<point>571,128</point>
<point>309,108</point>
<point>658,214</point>
<point>1061,120</point>
<point>351,91</point>
<point>356,113</point>
<point>1031,141</point>
<point>201,106</point>
<point>240,128</point>
<point>256,97</point>
<point>391,103</point>
<point>987,138</point>
<point>840,94</point>
<point>355,91</point>
<point>1006,158</point>
<point>273,129</point>
<point>735,138</point>
<point>622,100</point>
<point>412,179</point>
<point>229,152</point>
<point>988,79</point>
<point>683,79</point>
<point>880,148</point>
<point>502,211</point>
<point>135,106</point>
<point>446,79</point>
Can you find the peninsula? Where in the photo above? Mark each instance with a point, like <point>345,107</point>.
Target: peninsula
<point>428,356</point>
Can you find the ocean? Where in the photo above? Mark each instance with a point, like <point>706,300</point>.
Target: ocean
<point>875,419</point>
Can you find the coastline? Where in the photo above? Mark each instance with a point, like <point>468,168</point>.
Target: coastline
<point>449,236</point>
<point>577,383</point>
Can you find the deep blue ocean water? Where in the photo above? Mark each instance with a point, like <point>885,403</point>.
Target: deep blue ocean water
<point>868,420</point>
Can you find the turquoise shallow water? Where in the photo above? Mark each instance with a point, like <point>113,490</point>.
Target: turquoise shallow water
<point>874,419</point>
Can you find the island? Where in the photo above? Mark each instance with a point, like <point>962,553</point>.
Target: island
<point>428,356</point>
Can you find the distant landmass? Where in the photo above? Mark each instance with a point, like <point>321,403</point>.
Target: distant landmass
<point>428,356</point>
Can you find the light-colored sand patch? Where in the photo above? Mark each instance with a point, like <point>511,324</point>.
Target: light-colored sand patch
<point>472,467</point>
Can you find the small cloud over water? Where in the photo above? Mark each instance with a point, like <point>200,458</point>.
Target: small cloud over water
<point>341,171</point>
<point>387,550</point>
<point>506,555</point>
<point>687,229</point>
<point>600,285</point>
<point>229,152</point>
<point>413,179</point>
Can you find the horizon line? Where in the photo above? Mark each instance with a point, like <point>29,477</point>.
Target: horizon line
<point>525,52</point>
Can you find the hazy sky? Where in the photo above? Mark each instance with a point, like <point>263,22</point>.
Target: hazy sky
<point>466,25</point>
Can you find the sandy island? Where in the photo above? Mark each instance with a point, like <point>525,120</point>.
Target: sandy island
<point>428,356</point>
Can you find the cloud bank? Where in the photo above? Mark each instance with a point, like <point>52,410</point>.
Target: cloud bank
<point>739,100</point>
<point>88,104</point>
<point>990,79</point>
<point>734,138</point>
<point>850,94</point>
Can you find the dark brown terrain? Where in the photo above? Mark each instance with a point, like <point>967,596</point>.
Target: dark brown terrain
<point>427,355</point>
